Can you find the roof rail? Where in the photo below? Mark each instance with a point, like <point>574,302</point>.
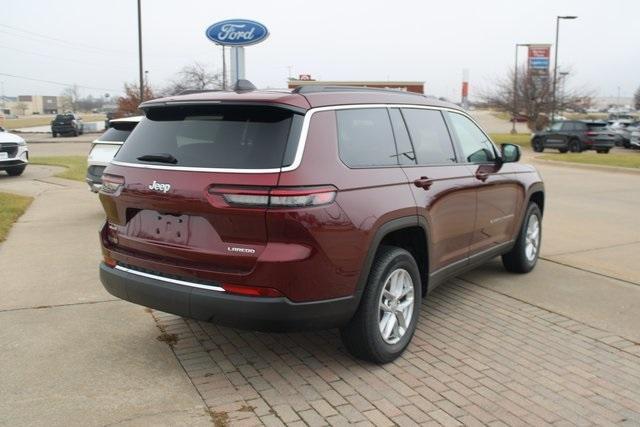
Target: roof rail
<point>322,88</point>
<point>192,91</point>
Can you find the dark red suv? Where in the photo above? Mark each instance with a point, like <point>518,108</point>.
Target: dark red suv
<point>318,208</point>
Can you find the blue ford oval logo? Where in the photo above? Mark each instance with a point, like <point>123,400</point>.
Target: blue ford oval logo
<point>237,32</point>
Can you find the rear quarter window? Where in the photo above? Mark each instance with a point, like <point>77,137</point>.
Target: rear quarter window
<point>217,137</point>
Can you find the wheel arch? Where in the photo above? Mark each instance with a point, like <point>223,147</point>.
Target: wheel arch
<point>410,233</point>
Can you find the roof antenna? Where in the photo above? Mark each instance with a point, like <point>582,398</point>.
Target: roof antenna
<point>243,85</point>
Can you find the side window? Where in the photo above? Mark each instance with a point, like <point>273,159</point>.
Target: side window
<point>429,135</point>
<point>365,137</point>
<point>406,155</point>
<point>556,126</point>
<point>476,147</point>
<point>580,126</point>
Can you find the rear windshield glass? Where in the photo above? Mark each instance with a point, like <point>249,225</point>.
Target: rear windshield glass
<point>230,137</point>
<point>64,117</point>
<point>113,134</point>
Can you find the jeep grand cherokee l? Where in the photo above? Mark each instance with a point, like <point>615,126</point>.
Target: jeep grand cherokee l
<point>316,208</point>
<point>575,136</point>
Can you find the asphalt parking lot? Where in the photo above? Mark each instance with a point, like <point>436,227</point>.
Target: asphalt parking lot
<point>559,346</point>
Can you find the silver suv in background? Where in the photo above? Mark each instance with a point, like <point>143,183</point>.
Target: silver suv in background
<point>105,147</point>
<point>14,154</point>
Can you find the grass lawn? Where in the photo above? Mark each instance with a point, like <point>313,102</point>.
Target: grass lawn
<point>76,166</point>
<point>521,139</point>
<point>12,207</point>
<point>627,159</point>
<point>37,120</point>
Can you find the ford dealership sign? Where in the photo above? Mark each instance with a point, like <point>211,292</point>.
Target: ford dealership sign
<point>237,32</point>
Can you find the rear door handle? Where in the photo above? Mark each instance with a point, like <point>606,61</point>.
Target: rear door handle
<point>423,182</point>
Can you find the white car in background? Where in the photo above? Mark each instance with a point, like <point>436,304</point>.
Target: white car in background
<point>634,140</point>
<point>14,154</point>
<point>105,148</point>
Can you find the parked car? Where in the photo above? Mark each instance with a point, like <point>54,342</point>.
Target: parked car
<point>634,141</point>
<point>519,118</point>
<point>575,136</point>
<point>317,208</point>
<point>67,123</point>
<point>622,128</point>
<point>105,147</point>
<point>14,153</point>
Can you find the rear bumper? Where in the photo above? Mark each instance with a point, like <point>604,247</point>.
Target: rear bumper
<point>599,145</point>
<point>220,307</point>
<point>63,128</point>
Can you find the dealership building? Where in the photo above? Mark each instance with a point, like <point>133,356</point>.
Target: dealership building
<point>407,86</point>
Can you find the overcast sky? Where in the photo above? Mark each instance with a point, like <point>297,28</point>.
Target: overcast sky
<point>94,43</point>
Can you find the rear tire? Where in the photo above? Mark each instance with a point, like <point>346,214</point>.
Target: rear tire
<point>367,336</point>
<point>575,146</point>
<point>53,134</point>
<point>537,145</point>
<point>16,171</point>
<point>524,255</point>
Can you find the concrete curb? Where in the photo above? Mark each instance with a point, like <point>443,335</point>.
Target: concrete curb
<point>602,168</point>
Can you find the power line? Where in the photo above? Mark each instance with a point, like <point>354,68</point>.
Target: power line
<point>58,40</point>
<point>59,83</point>
<point>59,58</point>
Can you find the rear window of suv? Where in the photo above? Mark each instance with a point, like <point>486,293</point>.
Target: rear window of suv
<point>114,135</point>
<point>225,137</point>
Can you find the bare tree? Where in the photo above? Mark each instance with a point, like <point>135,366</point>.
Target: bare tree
<point>193,77</point>
<point>70,98</point>
<point>534,97</point>
<point>636,99</point>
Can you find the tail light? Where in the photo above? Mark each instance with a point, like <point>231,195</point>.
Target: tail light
<point>112,184</point>
<point>277,197</point>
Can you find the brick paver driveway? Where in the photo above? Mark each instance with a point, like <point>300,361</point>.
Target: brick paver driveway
<point>478,357</point>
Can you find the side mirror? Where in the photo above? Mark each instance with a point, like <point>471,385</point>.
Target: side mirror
<point>510,153</point>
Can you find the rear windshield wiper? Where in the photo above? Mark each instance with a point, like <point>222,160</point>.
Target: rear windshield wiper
<point>159,157</point>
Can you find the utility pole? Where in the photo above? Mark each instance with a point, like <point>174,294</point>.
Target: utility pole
<point>141,72</point>
<point>555,64</point>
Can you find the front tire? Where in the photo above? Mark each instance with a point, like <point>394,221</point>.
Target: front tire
<point>524,255</point>
<point>16,171</point>
<point>537,145</point>
<point>388,313</point>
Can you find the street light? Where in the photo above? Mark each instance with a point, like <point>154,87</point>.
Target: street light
<point>515,88</point>
<point>140,52</point>
<point>555,64</point>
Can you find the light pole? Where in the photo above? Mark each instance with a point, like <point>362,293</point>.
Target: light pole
<point>140,52</point>
<point>563,80</point>
<point>555,64</point>
<point>515,89</point>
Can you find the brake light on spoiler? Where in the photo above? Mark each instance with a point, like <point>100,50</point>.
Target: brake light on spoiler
<point>275,197</point>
